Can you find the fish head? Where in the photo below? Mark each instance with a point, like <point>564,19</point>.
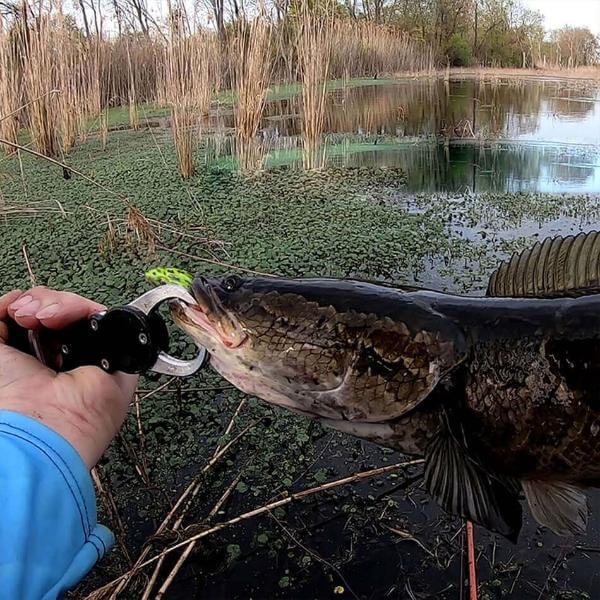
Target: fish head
<point>266,340</point>
<point>315,346</point>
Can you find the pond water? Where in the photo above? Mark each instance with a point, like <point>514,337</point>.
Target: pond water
<point>457,135</point>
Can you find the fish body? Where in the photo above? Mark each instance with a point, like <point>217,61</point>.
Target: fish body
<point>501,395</point>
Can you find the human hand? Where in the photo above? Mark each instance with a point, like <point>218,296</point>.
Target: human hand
<point>86,406</point>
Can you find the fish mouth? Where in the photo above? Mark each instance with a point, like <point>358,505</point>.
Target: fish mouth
<point>208,318</point>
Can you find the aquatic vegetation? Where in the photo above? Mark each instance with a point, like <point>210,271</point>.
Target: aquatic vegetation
<point>336,221</point>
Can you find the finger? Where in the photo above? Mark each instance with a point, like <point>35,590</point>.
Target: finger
<point>4,303</point>
<point>51,309</point>
<point>6,300</point>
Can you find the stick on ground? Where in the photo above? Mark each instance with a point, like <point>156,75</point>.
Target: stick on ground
<point>254,513</point>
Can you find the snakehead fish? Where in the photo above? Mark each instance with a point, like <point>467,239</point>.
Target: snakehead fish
<point>500,394</point>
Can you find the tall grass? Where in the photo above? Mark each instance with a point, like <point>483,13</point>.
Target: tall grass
<point>364,48</point>
<point>10,87</point>
<point>188,85</point>
<point>39,78</point>
<point>250,67</point>
<point>181,69</point>
<point>69,102</point>
<point>314,47</point>
<point>91,101</point>
<point>131,58</point>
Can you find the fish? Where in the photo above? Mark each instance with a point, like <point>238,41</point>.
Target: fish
<point>499,393</point>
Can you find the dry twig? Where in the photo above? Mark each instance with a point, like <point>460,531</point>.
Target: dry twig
<point>110,506</point>
<point>32,278</point>
<point>186,553</point>
<point>184,500</point>
<point>197,485</point>
<point>253,513</point>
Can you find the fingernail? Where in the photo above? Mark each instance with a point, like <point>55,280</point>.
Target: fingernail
<point>48,312</point>
<point>22,301</point>
<point>29,309</point>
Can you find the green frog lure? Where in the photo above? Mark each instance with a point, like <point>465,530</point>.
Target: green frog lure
<point>163,275</point>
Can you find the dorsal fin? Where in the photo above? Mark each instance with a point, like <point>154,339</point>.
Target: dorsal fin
<point>557,267</point>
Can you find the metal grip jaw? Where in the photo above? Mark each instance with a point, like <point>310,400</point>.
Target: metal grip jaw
<point>148,304</point>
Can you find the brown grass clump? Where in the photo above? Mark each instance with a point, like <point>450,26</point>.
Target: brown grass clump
<point>10,86</point>
<point>364,48</point>
<point>134,117</point>
<point>250,70</point>
<point>189,83</point>
<point>68,61</point>
<point>39,78</point>
<point>139,232</point>
<point>314,48</point>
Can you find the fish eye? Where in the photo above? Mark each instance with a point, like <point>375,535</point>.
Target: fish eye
<point>231,283</point>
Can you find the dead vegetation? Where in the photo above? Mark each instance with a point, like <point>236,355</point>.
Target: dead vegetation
<point>10,86</point>
<point>314,47</point>
<point>190,75</point>
<point>178,64</point>
<point>193,533</point>
<point>250,68</point>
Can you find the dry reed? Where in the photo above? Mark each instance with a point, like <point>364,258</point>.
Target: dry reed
<point>67,61</point>
<point>363,48</point>
<point>10,85</point>
<point>189,82</point>
<point>40,76</point>
<point>182,70</point>
<point>134,117</point>
<point>114,587</point>
<point>314,47</point>
<point>250,69</point>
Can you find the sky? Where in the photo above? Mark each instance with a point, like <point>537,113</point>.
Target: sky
<point>558,13</point>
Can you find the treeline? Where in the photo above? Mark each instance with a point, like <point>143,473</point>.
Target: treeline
<point>497,33</point>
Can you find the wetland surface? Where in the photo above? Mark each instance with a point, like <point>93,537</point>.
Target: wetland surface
<point>351,218</point>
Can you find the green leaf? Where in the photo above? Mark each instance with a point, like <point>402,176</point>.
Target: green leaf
<point>233,551</point>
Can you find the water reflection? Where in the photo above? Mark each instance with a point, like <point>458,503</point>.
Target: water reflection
<point>484,167</point>
<point>501,135</point>
<point>540,110</point>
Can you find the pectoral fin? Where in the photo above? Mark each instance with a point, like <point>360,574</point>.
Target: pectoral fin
<point>464,487</point>
<point>559,506</point>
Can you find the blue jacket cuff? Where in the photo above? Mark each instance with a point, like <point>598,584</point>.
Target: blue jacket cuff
<point>49,537</point>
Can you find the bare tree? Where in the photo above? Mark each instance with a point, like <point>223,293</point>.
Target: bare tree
<point>86,23</point>
<point>217,10</point>
<point>134,13</point>
<point>576,46</point>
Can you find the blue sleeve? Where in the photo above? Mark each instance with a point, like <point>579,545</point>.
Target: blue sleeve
<point>49,538</point>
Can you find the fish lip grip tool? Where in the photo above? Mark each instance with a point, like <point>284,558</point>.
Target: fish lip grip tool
<point>132,338</point>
